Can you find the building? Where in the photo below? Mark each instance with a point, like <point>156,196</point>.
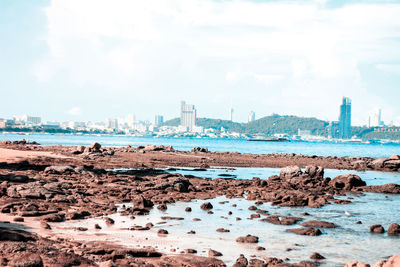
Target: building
<point>159,119</point>
<point>345,119</point>
<point>25,119</point>
<point>376,119</point>
<point>333,129</point>
<point>252,116</point>
<point>188,116</point>
<point>231,114</point>
<point>112,123</point>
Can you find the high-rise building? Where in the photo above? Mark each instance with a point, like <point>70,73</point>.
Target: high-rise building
<point>188,116</point>
<point>159,119</point>
<point>112,123</point>
<point>252,116</point>
<point>345,119</point>
<point>376,118</point>
<point>231,114</point>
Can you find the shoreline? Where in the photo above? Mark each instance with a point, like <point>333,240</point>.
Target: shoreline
<point>59,185</point>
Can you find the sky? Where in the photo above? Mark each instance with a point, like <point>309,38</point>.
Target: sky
<point>95,59</point>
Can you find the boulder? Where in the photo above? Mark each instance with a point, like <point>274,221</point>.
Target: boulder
<point>140,202</point>
<point>319,224</point>
<point>26,259</point>
<point>376,229</point>
<point>314,171</point>
<point>59,169</point>
<point>393,261</point>
<point>95,146</point>
<point>357,264</point>
<point>290,172</point>
<point>241,261</point>
<point>15,235</point>
<point>200,149</point>
<point>346,182</point>
<point>394,230</point>
<point>206,206</point>
<point>247,239</point>
<point>214,253</point>
<point>316,256</point>
<point>305,231</point>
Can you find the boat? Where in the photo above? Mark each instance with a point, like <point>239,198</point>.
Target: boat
<point>269,139</point>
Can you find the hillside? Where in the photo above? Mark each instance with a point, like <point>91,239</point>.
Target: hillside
<point>266,125</point>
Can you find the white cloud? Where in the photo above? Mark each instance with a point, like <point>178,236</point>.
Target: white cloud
<point>392,68</point>
<point>74,111</point>
<point>188,48</point>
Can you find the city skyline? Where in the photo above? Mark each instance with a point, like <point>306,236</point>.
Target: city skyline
<point>143,58</point>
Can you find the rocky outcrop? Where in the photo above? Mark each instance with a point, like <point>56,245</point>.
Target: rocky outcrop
<point>247,239</point>
<point>346,182</point>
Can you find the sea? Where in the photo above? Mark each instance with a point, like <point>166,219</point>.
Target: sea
<point>320,148</point>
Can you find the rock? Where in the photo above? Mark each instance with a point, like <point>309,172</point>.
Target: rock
<point>316,256</point>
<point>45,226</point>
<point>378,163</point>
<point>393,261</point>
<point>59,169</point>
<point>18,219</point>
<point>162,232</point>
<point>290,172</point>
<point>26,259</point>
<point>142,203</point>
<point>314,171</point>
<point>283,220</point>
<point>97,226</point>
<point>214,253</point>
<point>188,209</point>
<point>95,146</point>
<point>206,206</point>
<point>383,189</point>
<point>357,264</point>
<point>200,149</point>
<point>162,207</point>
<point>56,217</point>
<point>80,149</point>
<point>223,230</point>
<point>190,251</point>
<point>394,157</point>
<point>319,224</point>
<point>109,221</point>
<point>346,182</point>
<point>394,230</point>
<point>305,231</point>
<point>376,229</point>
<point>78,215</point>
<point>247,239</point>
<point>15,235</point>
<point>241,261</point>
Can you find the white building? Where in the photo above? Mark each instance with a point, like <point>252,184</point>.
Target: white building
<point>27,119</point>
<point>252,116</point>
<point>112,123</point>
<point>376,118</point>
<point>188,116</point>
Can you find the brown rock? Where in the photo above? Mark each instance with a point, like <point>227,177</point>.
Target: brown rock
<point>206,206</point>
<point>26,259</point>
<point>247,239</point>
<point>214,253</point>
<point>357,264</point>
<point>316,256</point>
<point>394,230</point>
<point>319,224</point>
<point>305,231</point>
<point>376,229</point>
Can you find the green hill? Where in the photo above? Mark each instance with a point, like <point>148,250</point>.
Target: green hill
<point>266,125</point>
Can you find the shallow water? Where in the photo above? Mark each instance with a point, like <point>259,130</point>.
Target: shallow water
<point>218,144</point>
<point>347,242</point>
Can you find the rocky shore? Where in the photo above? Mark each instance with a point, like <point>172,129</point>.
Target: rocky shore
<point>58,184</point>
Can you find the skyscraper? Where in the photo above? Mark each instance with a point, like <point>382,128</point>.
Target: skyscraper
<point>188,116</point>
<point>345,119</point>
<point>252,116</point>
<point>376,119</point>
<point>159,119</point>
<point>231,114</point>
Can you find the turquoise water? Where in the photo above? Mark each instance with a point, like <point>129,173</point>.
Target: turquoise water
<point>240,145</point>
